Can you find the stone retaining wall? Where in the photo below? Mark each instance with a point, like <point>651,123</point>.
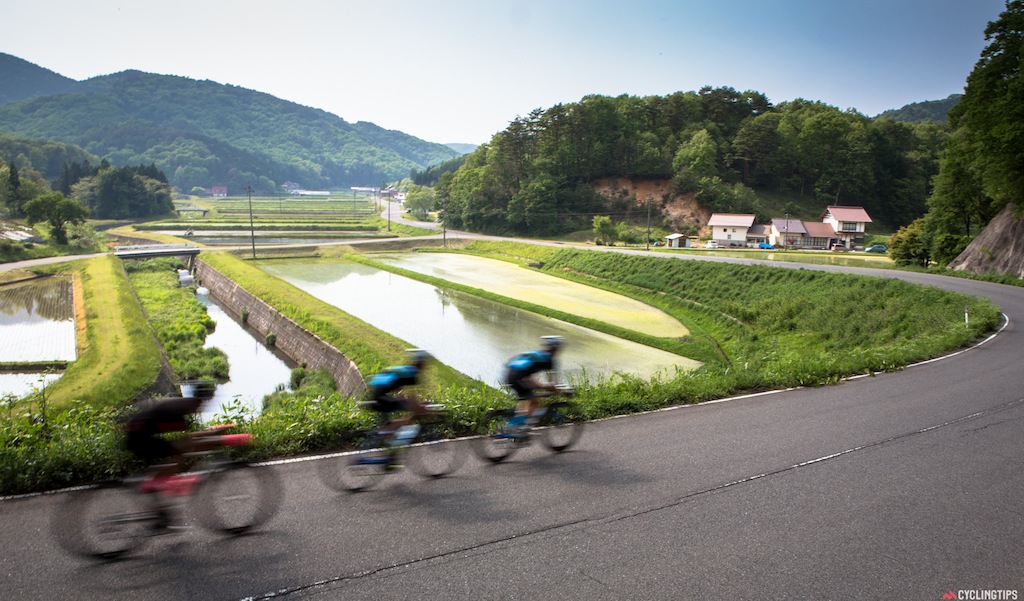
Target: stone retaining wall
<point>302,346</point>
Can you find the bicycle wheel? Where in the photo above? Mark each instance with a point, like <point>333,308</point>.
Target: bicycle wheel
<point>106,522</point>
<point>496,443</point>
<point>238,497</point>
<point>561,426</point>
<point>432,455</point>
<point>358,471</point>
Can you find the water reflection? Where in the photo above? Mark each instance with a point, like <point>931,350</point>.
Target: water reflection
<point>20,385</point>
<point>473,335</point>
<point>255,370</point>
<point>37,321</point>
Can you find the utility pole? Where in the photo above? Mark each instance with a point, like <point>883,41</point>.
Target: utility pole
<point>252,229</point>
<point>648,222</point>
<point>785,235</point>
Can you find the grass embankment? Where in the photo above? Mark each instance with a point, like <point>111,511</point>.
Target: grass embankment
<point>118,356</point>
<point>791,327</point>
<point>179,320</point>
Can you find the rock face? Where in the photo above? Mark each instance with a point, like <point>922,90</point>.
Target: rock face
<point>999,248</point>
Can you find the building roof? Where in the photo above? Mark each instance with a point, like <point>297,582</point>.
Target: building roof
<point>758,229</point>
<point>819,229</point>
<point>849,214</point>
<point>793,226</point>
<point>731,220</point>
<point>674,236</point>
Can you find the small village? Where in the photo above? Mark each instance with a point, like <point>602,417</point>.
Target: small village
<point>841,228</point>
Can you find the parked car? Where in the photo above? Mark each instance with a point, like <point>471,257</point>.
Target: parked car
<point>711,244</point>
<point>765,245</point>
<point>877,248</point>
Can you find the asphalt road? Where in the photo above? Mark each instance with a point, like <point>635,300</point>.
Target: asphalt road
<point>899,486</point>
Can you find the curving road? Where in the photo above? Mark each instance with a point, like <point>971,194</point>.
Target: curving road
<point>899,486</point>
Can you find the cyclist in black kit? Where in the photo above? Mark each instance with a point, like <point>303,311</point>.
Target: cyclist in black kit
<point>163,458</point>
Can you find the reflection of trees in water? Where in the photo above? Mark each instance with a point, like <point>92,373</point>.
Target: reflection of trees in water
<point>51,298</point>
<point>444,297</point>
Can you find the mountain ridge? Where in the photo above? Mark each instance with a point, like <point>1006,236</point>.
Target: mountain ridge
<point>204,133</point>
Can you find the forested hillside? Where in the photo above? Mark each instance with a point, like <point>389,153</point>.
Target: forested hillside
<point>201,133</point>
<point>21,79</point>
<point>929,110</point>
<point>48,159</point>
<point>727,148</point>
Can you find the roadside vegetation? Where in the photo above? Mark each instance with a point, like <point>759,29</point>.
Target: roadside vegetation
<point>179,320</point>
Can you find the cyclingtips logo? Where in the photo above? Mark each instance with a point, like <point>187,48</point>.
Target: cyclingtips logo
<point>981,595</point>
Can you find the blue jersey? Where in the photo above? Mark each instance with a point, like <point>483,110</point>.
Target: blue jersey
<point>393,378</point>
<point>530,363</point>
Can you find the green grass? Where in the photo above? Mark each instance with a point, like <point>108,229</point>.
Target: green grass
<point>180,321</point>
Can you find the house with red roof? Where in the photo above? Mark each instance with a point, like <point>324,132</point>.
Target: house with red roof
<point>850,224</point>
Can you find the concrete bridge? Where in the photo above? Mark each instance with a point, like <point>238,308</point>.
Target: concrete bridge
<point>146,251</point>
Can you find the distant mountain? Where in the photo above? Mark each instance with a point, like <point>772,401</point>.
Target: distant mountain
<point>202,133</point>
<point>929,110</point>
<point>462,148</point>
<point>22,79</point>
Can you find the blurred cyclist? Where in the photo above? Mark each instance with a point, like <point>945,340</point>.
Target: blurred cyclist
<point>520,375</point>
<point>399,378</point>
<point>163,458</point>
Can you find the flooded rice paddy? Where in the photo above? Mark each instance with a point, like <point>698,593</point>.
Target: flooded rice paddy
<point>37,325</point>
<point>473,335</point>
<point>507,279</point>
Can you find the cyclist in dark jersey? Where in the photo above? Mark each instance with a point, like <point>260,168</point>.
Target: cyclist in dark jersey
<point>399,378</point>
<point>143,431</point>
<point>520,372</point>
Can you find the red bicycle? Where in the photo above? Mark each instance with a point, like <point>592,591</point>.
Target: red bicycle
<point>117,517</point>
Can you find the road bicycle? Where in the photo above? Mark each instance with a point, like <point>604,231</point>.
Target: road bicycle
<point>423,446</point>
<point>558,424</point>
<point>117,517</point>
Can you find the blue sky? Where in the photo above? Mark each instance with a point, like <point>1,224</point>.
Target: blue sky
<point>460,70</point>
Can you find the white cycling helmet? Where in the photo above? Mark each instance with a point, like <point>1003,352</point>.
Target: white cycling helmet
<point>552,342</point>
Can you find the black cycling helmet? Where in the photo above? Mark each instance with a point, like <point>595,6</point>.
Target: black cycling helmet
<point>418,356</point>
<point>552,343</point>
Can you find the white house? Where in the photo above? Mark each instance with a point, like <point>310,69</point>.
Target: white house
<point>849,223</point>
<point>730,230</point>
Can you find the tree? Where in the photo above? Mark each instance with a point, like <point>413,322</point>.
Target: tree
<point>58,211</point>
<point>604,229</point>
<point>909,245</point>
<point>992,107</point>
<point>419,200</point>
<point>120,192</point>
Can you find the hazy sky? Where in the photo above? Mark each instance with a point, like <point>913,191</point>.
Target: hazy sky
<point>460,70</point>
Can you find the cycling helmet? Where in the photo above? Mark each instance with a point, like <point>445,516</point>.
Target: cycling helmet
<point>552,342</point>
<point>418,356</point>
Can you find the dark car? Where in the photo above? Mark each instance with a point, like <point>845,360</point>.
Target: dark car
<point>877,248</point>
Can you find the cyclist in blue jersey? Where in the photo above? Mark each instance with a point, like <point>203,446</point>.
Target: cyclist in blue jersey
<point>399,378</point>
<point>520,376</point>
